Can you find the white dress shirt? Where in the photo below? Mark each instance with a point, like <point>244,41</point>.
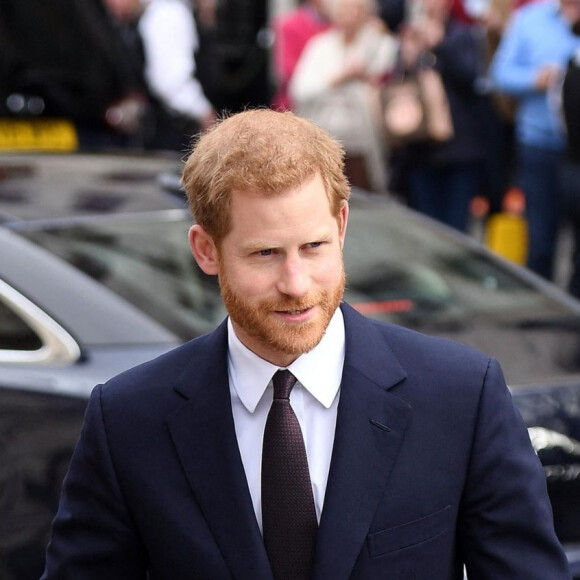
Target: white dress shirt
<point>169,36</point>
<point>314,399</point>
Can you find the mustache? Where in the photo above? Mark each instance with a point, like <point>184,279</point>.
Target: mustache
<point>293,303</point>
<point>276,304</point>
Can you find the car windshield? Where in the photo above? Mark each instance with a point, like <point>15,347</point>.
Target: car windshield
<point>399,268</point>
<point>147,262</point>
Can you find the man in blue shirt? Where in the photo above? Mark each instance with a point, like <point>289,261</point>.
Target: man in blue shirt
<point>528,65</point>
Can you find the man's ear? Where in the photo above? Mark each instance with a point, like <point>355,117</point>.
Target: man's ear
<point>204,250</point>
<point>342,222</point>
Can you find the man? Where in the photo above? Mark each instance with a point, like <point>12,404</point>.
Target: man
<point>570,168</point>
<point>444,174</point>
<point>418,463</point>
<point>528,64</point>
<point>336,85</point>
<point>170,40</point>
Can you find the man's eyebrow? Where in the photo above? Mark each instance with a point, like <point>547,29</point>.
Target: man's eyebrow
<point>257,245</point>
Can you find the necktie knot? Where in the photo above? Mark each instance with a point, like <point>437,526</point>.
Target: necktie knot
<point>283,381</point>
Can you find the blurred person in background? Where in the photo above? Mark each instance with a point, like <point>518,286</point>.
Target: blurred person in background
<point>336,85</point>
<point>535,47</point>
<point>490,18</point>
<point>137,114</point>
<point>194,58</point>
<point>166,47</point>
<point>233,60</point>
<point>124,16</point>
<point>442,177</point>
<point>64,60</point>
<point>392,13</point>
<point>292,31</point>
<point>170,41</point>
<point>570,168</point>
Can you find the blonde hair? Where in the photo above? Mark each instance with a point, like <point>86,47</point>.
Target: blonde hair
<point>262,151</point>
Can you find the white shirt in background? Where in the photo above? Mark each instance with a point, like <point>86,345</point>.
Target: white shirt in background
<point>169,36</point>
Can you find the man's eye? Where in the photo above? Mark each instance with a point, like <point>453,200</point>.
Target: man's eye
<point>315,244</point>
<point>265,252</point>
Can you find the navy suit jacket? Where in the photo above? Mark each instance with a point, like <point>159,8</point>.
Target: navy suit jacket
<point>432,468</point>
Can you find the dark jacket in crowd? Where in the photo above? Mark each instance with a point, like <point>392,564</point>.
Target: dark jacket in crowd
<point>459,61</point>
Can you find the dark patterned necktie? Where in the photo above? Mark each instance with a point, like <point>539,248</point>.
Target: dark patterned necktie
<point>288,512</point>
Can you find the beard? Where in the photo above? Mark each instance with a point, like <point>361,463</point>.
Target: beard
<point>260,323</point>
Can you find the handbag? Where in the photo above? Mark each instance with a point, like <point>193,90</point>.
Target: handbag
<point>415,109</point>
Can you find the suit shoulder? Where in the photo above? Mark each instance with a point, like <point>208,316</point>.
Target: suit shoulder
<point>419,340</point>
<point>437,352</point>
<point>441,371</point>
<point>420,355</point>
<point>166,369</point>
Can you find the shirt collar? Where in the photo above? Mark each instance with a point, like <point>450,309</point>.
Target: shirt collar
<point>318,371</point>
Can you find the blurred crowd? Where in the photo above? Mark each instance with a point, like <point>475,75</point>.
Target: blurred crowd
<point>170,68</point>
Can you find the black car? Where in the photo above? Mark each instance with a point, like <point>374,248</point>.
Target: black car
<point>96,276</point>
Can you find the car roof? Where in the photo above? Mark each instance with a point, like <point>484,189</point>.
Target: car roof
<point>37,189</point>
<point>47,186</point>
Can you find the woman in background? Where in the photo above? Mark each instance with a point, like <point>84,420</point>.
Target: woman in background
<point>444,176</point>
<point>336,85</point>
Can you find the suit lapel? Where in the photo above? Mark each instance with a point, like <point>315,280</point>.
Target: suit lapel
<point>204,437</point>
<point>370,428</point>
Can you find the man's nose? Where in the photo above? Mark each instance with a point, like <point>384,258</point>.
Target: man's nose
<point>294,278</point>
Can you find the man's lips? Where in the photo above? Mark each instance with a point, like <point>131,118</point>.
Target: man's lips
<point>296,314</point>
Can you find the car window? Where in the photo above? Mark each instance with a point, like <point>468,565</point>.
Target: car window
<point>15,334</point>
<point>405,271</point>
<point>146,262</point>
<point>29,335</point>
<point>397,269</point>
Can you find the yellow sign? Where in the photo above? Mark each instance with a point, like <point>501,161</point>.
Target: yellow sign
<point>57,135</point>
<point>507,231</point>
<point>507,235</point>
